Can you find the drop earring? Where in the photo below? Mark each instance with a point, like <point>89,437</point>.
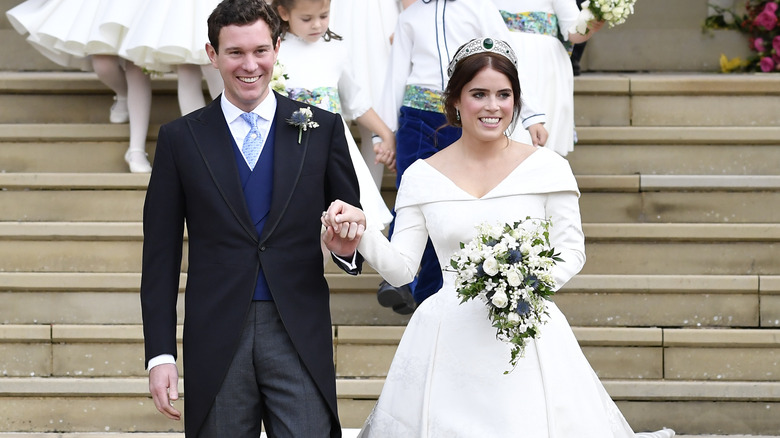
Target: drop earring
<point>457,114</point>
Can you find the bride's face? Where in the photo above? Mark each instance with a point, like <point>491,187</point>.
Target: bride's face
<point>486,105</point>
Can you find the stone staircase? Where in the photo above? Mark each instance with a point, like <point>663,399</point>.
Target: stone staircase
<point>677,308</point>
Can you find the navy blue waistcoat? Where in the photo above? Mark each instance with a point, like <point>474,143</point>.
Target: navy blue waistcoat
<point>258,188</point>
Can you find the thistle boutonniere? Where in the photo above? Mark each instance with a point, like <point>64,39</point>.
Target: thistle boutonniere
<point>302,118</point>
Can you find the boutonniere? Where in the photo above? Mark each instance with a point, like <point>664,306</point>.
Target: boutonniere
<point>302,118</point>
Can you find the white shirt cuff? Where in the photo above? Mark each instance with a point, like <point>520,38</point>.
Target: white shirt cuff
<point>533,119</point>
<point>351,265</point>
<point>161,359</point>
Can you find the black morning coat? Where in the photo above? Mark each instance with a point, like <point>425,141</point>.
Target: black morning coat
<point>195,180</point>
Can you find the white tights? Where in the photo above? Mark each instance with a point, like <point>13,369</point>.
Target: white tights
<point>367,151</point>
<point>190,85</point>
<point>128,81</point>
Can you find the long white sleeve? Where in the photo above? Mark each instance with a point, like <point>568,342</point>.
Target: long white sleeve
<point>397,261</point>
<point>566,235</point>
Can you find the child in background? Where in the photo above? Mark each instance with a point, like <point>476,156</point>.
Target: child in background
<point>544,62</point>
<point>87,34</point>
<point>425,39</point>
<point>318,72</point>
<point>367,28</point>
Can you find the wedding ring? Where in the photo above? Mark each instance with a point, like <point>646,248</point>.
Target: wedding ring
<point>324,213</point>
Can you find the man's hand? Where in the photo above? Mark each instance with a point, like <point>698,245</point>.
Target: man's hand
<point>538,134</point>
<point>163,385</point>
<point>344,226</point>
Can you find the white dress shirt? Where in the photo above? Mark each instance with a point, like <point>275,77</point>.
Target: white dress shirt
<point>239,127</point>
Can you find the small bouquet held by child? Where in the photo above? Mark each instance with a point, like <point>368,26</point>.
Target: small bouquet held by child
<point>509,267</point>
<point>613,12</point>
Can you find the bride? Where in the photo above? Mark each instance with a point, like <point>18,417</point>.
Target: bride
<point>447,378</point>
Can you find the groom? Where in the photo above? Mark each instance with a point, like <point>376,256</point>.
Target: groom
<point>251,186</point>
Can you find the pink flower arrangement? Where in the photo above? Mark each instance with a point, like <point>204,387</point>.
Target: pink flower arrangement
<point>761,23</point>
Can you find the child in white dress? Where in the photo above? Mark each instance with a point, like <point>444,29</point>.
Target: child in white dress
<point>87,34</point>
<point>535,27</point>
<point>367,28</point>
<point>318,72</point>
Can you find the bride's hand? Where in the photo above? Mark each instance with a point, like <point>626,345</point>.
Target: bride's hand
<point>344,226</point>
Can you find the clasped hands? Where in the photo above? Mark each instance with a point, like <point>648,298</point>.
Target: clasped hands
<point>344,226</point>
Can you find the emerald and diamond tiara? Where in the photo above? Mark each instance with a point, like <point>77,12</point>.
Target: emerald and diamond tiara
<point>482,45</point>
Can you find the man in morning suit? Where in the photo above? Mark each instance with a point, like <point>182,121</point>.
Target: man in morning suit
<point>251,187</point>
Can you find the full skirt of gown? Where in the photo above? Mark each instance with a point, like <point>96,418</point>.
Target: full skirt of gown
<point>448,369</point>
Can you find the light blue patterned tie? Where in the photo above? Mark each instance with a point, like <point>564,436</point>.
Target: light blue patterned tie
<point>252,141</point>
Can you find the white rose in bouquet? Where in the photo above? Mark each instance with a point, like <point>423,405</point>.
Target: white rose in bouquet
<point>490,266</point>
<point>585,17</point>
<point>500,299</point>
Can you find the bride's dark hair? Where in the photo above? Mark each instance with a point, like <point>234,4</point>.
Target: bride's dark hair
<point>464,72</point>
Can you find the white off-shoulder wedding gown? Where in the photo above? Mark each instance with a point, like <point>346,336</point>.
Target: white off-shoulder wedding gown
<point>447,378</point>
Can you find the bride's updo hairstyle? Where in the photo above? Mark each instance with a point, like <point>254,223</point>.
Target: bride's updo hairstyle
<point>470,59</point>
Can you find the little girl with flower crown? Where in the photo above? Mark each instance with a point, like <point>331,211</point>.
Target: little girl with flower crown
<point>316,64</point>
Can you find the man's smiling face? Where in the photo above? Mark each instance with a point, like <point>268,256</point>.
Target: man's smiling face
<point>245,61</point>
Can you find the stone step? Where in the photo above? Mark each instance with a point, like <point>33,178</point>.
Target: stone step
<point>67,147</point>
<point>680,198</point>
<point>614,353</point>
<point>717,150</point>
<point>70,350</point>
<point>750,301</point>
<point>122,405</point>
<point>716,249</point>
<point>624,248</point>
<point>89,197</point>
<point>683,100</point>
<point>672,300</point>
<point>82,147</point>
<point>638,99</point>
<point>346,433</point>
<point>73,97</point>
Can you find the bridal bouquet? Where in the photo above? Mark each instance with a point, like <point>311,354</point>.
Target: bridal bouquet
<point>509,267</point>
<point>614,12</point>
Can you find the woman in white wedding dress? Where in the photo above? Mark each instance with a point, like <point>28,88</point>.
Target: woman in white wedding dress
<point>447,378</point>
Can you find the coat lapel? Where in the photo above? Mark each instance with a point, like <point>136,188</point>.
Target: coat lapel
<point>288,162</point>
<point>213,140</point>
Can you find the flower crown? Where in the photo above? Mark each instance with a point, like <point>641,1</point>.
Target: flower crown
<point>480,45</point>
